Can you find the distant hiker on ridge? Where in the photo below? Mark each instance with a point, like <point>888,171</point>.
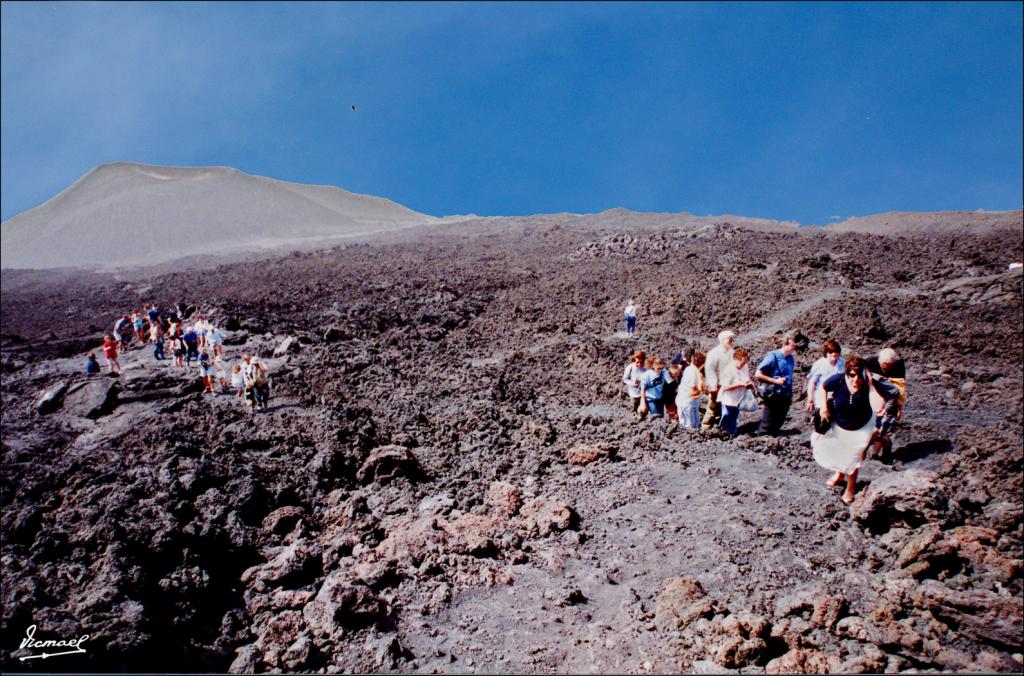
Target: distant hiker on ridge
<point>629,314</point>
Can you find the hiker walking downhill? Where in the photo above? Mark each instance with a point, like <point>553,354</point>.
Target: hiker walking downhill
<point>732,387</point>
<point>671,391</point>
<point>122,333</point>
<point>691,389</point>
<point>890,367</point>
<point>215,337</point>
<point>844,404</point>
<point>110,354</point>
<point>629,314</point>
<point>651,386</point>
<point>775,372</point>
<point>719,357</point>
<point>257,379</point>
<point>191,340</point>
<point>631,376</point>
<point>827,366</point>
<point>206,371</point>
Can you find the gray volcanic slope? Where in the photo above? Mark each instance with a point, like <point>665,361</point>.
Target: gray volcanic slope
<point>946,222</point>
<point>127,214</point>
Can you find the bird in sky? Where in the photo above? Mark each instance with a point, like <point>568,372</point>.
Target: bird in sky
<point>353,107</point>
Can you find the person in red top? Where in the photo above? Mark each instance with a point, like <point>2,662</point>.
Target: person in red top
<point>110,352</point>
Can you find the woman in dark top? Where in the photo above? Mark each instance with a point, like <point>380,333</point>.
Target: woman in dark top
<point>847,404</point>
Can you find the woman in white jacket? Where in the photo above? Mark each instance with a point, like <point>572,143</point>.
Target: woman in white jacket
<point>631,376</point>
<point>690,392</point>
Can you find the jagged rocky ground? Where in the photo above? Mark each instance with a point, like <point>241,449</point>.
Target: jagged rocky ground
<point>448,481</point>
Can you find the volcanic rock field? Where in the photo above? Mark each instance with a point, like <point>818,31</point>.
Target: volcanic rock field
<point>448,479</point>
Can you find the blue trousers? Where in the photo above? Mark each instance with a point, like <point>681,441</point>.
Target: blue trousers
<point>730,419</point>
<point>690,415</point>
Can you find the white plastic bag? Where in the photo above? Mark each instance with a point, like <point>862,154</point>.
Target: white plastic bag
<point>749,402</point>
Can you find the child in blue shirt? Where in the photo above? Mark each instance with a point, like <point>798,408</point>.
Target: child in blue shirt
<point>651,386</point>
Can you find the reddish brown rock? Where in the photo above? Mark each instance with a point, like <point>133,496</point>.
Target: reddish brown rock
<point>282,520</point>
<point>505,497</point>
<point>681,601</point>
<point>734,651</point>
<point>872,661</point>
<point>827,611</point>
<point>471,534</point>
<point>977,545</point>
<point>543,516</point>
<point>411,538</point>
<point>584,454</point>
<point>803,662</point>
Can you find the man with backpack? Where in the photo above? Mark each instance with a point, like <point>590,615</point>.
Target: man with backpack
<point>257,379</point>
<point>775,386</point>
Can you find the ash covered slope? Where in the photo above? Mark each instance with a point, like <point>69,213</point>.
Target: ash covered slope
<point>922,223</point>
<point>448,480</point>
<point>127,214</point>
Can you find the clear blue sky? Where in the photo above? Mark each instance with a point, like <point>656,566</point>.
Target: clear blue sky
<point>800,111</point>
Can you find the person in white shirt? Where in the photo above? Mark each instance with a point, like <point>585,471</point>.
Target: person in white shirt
<point>220,375</point>
<point>237,380</point>
<point>631,376</point>
<point>734,383</point>
<point>201,328</point>
<point>719,357</point>
<point>690,391</point>
<point>629,314</point>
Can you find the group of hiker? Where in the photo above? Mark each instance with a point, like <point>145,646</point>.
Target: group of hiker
<point>854,403</point>
<point>199,340</point>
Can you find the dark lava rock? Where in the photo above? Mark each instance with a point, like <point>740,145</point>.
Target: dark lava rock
<point>92,398</point>
<point>51,400</point>
<point>340,604</point>
<point>386,463</point>
<point>910,497</point>
<point>981,613</point>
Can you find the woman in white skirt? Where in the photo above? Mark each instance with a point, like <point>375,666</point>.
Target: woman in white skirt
<point>845,399</point>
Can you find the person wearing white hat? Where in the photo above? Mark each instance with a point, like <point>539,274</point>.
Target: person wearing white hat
<point>718,359</point>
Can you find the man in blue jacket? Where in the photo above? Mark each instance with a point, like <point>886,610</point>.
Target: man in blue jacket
<point>776,373</point>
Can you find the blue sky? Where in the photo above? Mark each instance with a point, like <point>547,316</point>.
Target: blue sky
<point>801,111</point>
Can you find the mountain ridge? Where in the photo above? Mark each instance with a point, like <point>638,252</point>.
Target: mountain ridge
<point>127,214</point>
